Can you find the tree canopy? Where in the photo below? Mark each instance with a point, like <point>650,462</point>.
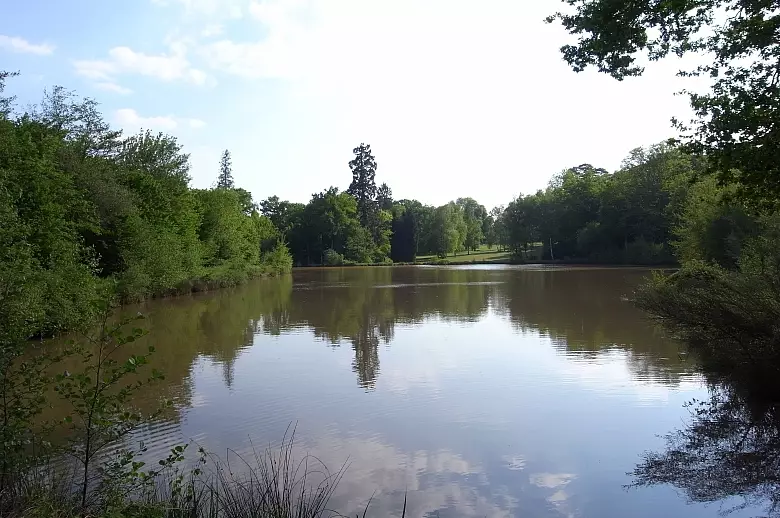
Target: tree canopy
<point>738,41</point>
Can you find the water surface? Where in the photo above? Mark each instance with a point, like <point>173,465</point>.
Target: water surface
<point>478,391</point>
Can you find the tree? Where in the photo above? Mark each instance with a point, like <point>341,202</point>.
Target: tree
<point>489,230</point>
<point>225,178</point>
<point>404,240</point>
<point>363,188</point>
<point>159,155</point>
<point>473,216</point>
<point>81,122</point>
<point>521,219</point>
<point>448,230</point>
<point>327,222</point>
<point>359,246</point>
<point>282,213</point>
<point>735,124</point>
<point>499,226</point>
<point>384,197</point>
<point>6,103</point>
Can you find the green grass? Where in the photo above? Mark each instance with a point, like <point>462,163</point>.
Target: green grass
<point>484,254</point>
<point>267,483</point>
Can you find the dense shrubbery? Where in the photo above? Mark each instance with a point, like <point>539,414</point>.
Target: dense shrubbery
<point>87,212</point>
<point>731,315</point>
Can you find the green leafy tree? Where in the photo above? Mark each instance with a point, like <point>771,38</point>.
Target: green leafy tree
<point>735,123</point>
<point>499,226</point>
<point>360,246</point>
<point>404,241</point>
<point>384,197</point>
<point>448,229</point>
<point>225,178</point>
<point>473,215</point>
<point>363,186</point>
<point>489,230</point>
<point>327,221</point>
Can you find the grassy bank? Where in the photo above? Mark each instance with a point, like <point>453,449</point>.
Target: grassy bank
<point>87,463</point>
<point>223,276</point>
<point>482,255</point>
<point>271,482</point>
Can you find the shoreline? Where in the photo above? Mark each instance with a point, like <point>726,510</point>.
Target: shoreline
<point>574,263</point>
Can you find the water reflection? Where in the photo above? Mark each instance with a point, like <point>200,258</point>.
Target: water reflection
<point>584,312</point>
<point>728,452</point>
<point>481,391</point>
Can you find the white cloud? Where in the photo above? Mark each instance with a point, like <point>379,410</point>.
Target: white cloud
<point>244,59</point>
<point>208,8</point>
<point>214,29</point>
<point>124,60</point>
<point>284,52</point>
<point>130,119</point>
<point>16,44</point>
<point>113,87</point>
<point>466,76</point>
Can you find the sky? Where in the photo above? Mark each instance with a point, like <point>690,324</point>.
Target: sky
<point>456,97</point>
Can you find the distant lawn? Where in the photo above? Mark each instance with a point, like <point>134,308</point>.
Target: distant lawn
<point>483,254</point>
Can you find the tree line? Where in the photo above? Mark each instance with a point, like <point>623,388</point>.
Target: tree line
<point>652,210</point>
<point>87,213</point>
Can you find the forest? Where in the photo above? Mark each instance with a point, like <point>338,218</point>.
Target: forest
<point>660,205</point>
<point>89,211</point>
<point>89,214</point>
<point>91,218</point>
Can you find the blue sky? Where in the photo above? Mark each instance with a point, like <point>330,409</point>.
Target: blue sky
<point>456,97</point>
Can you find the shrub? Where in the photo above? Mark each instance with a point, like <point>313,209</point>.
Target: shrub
<point>333,258</point>
<point>731,317</point>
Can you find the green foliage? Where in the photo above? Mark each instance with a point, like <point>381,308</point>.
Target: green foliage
<point>23,384</point>
<point>333,258</point>
<point>363,186</point>
<point>360,246</point>
<point>403,247</point>
<point>278,259</point>
<point>384,197</point>
<point>99,397</point>
<point>729,315</point>
<point>713,226</point>
<point>97,394</point>
<point>447,230</point>
<point>225,178</point>
<point>735,124</point>
<point>474,215</point>
<point>586,214</point>
<point>86,211</point>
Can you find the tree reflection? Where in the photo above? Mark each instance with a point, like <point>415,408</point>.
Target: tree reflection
<point>361,307</point>
<point>730,448</point>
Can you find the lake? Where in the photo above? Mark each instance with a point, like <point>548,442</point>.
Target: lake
<point>476,391</point>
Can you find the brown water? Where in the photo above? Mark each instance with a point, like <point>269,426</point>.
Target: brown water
<point>478,391</point>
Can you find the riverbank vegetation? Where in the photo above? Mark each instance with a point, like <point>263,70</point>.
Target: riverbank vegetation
<point>90,216</point>
<point>87,212</point>
<point>725,299</point>
<point>659,205</point>
<point>91,211</point>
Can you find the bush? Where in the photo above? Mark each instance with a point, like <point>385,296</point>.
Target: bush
<point>731,317</point>
<point>333,258</point>
<point>278,260</point>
